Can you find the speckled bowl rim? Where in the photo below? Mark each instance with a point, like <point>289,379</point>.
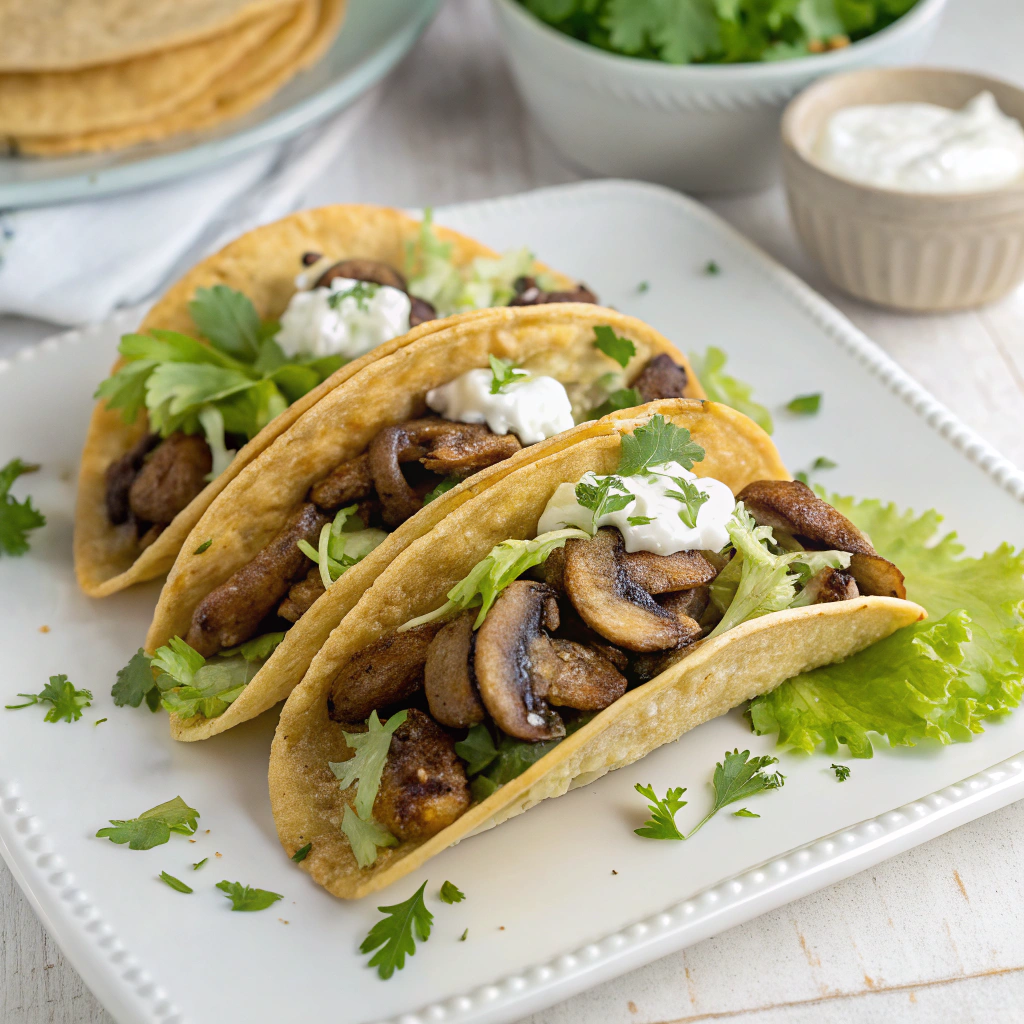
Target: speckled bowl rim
<point>916,20</point>
<point>798,148</point>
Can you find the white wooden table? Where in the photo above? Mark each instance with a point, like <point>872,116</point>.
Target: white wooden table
<point>934,935</point>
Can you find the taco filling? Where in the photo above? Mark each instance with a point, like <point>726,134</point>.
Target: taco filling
<point>480,418</point>
<point>626,575</point>
<point>203,402</point>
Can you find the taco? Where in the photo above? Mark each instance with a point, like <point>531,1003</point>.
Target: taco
<point>582,611</point>
<point>284,551</point>
<point>247,341</point>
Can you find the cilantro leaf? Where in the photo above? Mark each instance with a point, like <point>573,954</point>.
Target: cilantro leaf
<point>728,390</point>
<point>599,497</point>
<point>744,813</point>
<point>643,286</point>
<point>153,827</point>
<point>16,518</point>
<point>228,319</point>
<point>942,678</point>
<point>624,398</point>
<point>805,405</point>
<point>302,853</point>
<point>245,898</point>
<point>451,893</point>
<point>175,883</point>
<point>737,777</point>
<point>619,349</point>
<point>365,836</point>
<point>66,702</point>
<point>823,462</point>
<point>203,547</point>
<point>371,751</point>
<point>639,520</point>
<point>712,269</point>
<point>503,374</point>
<point>842,772</point>
<point>691,497</point>
<point>662,823</point>
<point>135,681</point>
<point>361,293</point>
<point>477,749</point>
<point>506,562</point>
<point>396,934</point>
<point>655,443</point>
<point>199,864</point>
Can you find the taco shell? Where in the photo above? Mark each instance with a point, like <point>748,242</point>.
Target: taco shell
<point>719,674</point>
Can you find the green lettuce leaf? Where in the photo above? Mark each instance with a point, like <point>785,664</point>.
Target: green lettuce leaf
<point>940,679</point>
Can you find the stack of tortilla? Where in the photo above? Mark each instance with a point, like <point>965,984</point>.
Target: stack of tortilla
<point>92,75</point>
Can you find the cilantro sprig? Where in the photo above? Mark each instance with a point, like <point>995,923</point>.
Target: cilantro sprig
<point>602,496</point>
<point>451,893</point>
<point>17,518</point>
<point>623,398</point>
<point>503,374</point>
<point>397,932</point>
<point>842,772</point>
<point>655,443</point>
<point>244,897</point>
<point>66,702</point>
<point>738,776</point>
<point>691,497</point>
<point>153,827</point>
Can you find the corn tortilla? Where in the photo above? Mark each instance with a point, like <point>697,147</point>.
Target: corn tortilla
<point>719,674</point>
<point>114,95</point>
<point>557,339</point>
<point>234,93</point>
<point>262,264</point>
<point>73,34</point>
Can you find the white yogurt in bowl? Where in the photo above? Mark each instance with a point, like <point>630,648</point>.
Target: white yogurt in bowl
<point>923,147</point>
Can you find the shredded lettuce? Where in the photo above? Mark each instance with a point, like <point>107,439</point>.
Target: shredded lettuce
<point>485,282</point>
<point>342,543</point>
<point>720,387</point>
<point>491,575</point>
<point>940,679</point>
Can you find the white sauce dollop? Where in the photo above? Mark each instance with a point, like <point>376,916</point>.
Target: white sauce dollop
<point>319,323</point>
<point>666,533</point>
<point>921,147</point>
<point>533,409</point>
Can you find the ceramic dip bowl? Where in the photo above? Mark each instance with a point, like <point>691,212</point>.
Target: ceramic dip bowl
<point>914,251</point>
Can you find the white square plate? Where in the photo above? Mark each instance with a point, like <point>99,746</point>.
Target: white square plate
<point>563,897</point>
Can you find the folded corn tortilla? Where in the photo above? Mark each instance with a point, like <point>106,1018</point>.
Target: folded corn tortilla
<point>262,264</point>
<point>718,674</point>
<point>555,339</point>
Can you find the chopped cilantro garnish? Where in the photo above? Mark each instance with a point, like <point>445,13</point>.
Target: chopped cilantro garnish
<point>66,703</point>
<point>655,443</point>
<point>451,893</point>
<point>619,349</point>
<point>712,269</point>
<point>175,883</point>
<point>639,520</point>
<point>462,937</point>
<point>691,497</point>
<point>396,934</point>
<point>504,374</point>
<point>601,498</point>
<point>245,898</point>
<point>16,518</point>
<point>302,853</point>
<point>153,827</point>
<point>744,813</point>
<point>643,286</point>
<point>135,683</point>
<point>823,462</point>
<point>842,772</point>
<point>805,405</point>
<point>662,823</point>
<point>199,863</point>
<point>203,547</point>
<point>361,292</point>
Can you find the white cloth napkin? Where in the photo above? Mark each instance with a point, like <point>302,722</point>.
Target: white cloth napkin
<point>76,262</point>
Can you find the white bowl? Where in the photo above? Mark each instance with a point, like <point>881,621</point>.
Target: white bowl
<point>711,128</point>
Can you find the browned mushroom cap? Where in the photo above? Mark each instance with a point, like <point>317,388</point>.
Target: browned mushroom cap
<point>388,671</point>
<point>792,507</point>
<point>529,294</point>
<point>662,377</point>
<point>423,787</point>
<point>610,602</point>
<point>371,271</point>
<point>351,481</point>
<point>448,675</point>
<point>662,574</point>
<point>830,585</point>
<point>571,675</point>
<point>170,478</point>
<point>420,311</point>
<point>504,661</point>
<point>461,449</point>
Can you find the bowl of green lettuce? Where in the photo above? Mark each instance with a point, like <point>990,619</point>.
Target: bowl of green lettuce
<point>689,93</point>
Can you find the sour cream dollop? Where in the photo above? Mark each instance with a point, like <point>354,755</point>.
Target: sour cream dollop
<point>533,409</point>
<point>666,533</point>
<point>921,147</point>
<point>348,318</point>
